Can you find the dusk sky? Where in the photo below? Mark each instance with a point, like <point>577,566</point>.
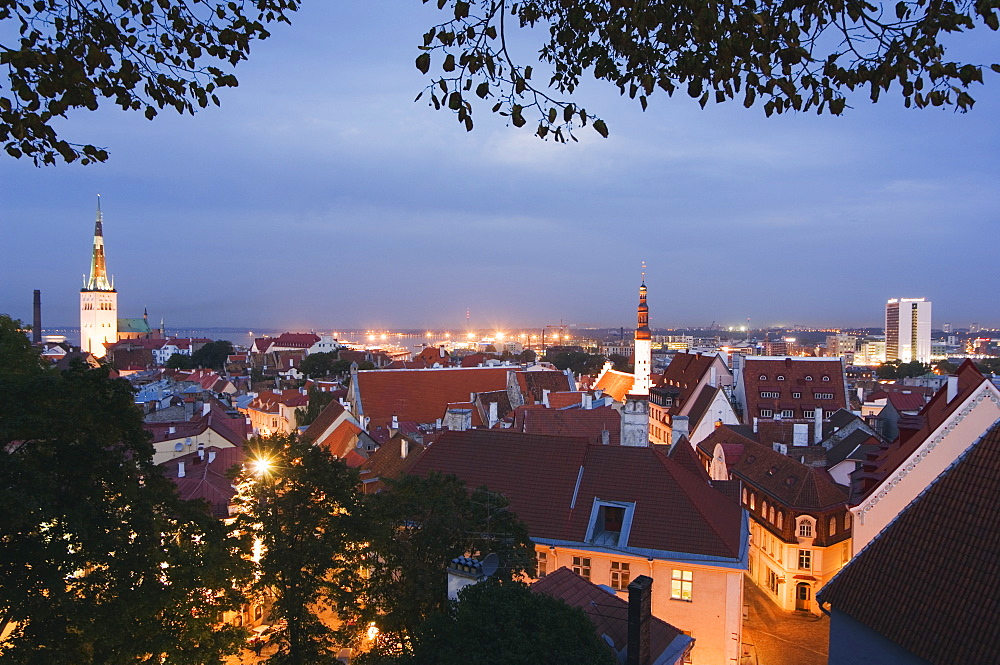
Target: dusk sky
<point>320,196</point>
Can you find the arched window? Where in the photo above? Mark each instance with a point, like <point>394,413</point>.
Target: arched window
<point>833,526</point>
<point>753,500</point>
<point>763,377</point>
<point>781,377</point>
<point>826,378</point>
<point>805,527</point>
<point>809,377</point>
<point>763,508</point>
<point>847,520</point>
<point>744,496</point>
<point>781,520</point>
<point>770,516</point>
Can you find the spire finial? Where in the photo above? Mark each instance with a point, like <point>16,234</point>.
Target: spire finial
<point>643,272</point>
<point>98,280</point>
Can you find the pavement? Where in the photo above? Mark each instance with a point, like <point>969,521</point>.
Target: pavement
<point>772,636</point>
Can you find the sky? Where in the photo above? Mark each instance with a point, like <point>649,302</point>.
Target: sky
<point>320,196</point>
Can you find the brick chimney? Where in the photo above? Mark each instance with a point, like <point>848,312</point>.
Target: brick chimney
<point>640,594</point>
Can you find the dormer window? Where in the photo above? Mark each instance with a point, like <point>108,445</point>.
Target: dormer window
<point>809,377</point>
<point>826,378</point>
<point>610,522</point>
<point>763,377</point>
<point>781,377</point>
<point>805,527</point>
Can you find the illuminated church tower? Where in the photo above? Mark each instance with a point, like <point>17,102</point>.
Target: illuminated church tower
<point>643,344</point>
<point>98,299</point>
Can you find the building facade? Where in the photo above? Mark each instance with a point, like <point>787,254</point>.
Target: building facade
<point>908,330</point>
<point>98,299</point>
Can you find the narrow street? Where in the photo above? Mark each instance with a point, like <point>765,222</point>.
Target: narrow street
<point>772,636</point>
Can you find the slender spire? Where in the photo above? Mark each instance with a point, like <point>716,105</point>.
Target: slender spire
<point>642,324</point>
<point>98,280</point>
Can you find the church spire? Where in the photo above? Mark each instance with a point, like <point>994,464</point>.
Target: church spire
<point>642,324</point>
<point>98,280</point>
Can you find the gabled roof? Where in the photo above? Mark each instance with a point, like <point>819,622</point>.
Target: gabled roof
<point>684,373</point>
<point>433,354</point>
<point>552,483</point>
<point>928,581</point>
<point>388,461</point>
<point>914,430</point>
<point>533,384</point>
<point>732,441</point>
<point>796,485</point>
<point>268,401</point>
<point>327,417</point>
<point>206,480</point>
<point>500,397</point>
<point>856,446</point>
<point>616,384</point>
<point>609,614</point>
<point>901,401</point>
<point>422,394</point>
<point>584,423</point>
<point>788,375</point>
<point>683,453</point>
<point>701,404</point>
<point>139,325</point>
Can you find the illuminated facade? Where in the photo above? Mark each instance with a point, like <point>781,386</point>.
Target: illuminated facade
<point>908,330</point>
<point>643,346</point>
<point>98,299</point>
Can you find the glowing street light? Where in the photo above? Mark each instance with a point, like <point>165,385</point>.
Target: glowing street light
<point>261,466</point>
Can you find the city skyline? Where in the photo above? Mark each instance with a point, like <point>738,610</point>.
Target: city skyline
<point>321,196</point>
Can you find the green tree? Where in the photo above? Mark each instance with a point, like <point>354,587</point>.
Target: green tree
<point>989,365</point>
<point>621,363</point>
<point>503,623</point>
<point>303,506</point>
<point>100,561</point>
<point>578,361</point>
<point>888,370</point>
<point>944,367</point>
<point>317,365</point>
<point>213,355</point>
<point>783,57</point>
<point>62,55</point>
<point>419,524</point>
<point>179,361</point>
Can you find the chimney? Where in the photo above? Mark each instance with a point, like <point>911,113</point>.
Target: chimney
<point>818,426</point>
<point>493,415</point>
<point>171,430</point>
<point>394,426</point>
<point>714,378</point>
<point>679,426</point>
<point>180,469</point>
<point>639,609</point>
<point>404,447</point>
<point>952,388</point>
<point>36,325</point>
<point>605,437</point>
<point>211,456</point>
<point>206,407</point>
<point>755,424</point>
<point>545,396</point>
<point>201,450</point>
<point>588,401</point>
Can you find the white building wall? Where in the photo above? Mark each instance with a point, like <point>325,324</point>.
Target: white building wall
<point>98,321</point>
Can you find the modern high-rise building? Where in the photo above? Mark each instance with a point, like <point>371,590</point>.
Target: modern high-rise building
<point>98,299</point>
<point>908,329</point>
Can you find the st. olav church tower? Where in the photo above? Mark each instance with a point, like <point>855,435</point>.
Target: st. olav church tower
<point>98,299</point>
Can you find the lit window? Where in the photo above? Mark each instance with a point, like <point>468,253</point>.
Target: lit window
<point>745,496</point>
<point>781,520</point>
<point>772,581</point>
<point>833,526</point>
<point>541,564</point>
<point>805,528</point>
<point>847,520</point>
<point>681,582</point>
<point>770,515</point>
<point>805,559</point>
<point>753,501</point>
<point>581,566</point>
<point>619,575</point>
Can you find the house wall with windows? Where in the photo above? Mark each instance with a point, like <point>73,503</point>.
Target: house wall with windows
<point>704,600</point>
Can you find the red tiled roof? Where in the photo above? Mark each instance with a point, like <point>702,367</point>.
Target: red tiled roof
<point>674,510</point>
<point>560,400</point>
<point>732,441</point>
<point>606,611</point>
<point>534,383</point>
<point>388,462</point>
<point>584,423</point>
<point>804,376</point>
<point>432,354</point>
<point>206,480</point>
<point>796,485</point>
<point>684,372</point>
<point>683,453</point>
<point>882,464</point>
<point>476,359</point>
<point>268,400</point>
<point>928,581</point>
<point>900,401</point>
<point>616,384</point>
<point>422,394</point>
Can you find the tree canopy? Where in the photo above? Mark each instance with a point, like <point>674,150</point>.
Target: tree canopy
<point>212,355</point>
<point>800,56</point>
<point>96,548</point>
<point>66,55</point>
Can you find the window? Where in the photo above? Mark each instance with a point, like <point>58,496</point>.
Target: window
<point>805,528</point>
<point>768,394</point>
<point>681,582</point>
<point>809,413</point>
<point>796,395</point>
<point>581,566</point>
<point>781,520</point>
<point>826,378</point>
<point>766,413</point>
<point>781,377</point>
<point>833,526</point>
<point>824,395</point>
<point>787,413</point>
<point>770,515</point>
<point>763,377</point>
<point>805,559</point>
<point>745,496</point>
<point>763,508</point>
<point>688,658</point>
<point>847,520</point>
<point>753,501</point>
<point>619,575</point>
<point>541,564</point>
<point>808,377</point>
<point>772,581</point>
